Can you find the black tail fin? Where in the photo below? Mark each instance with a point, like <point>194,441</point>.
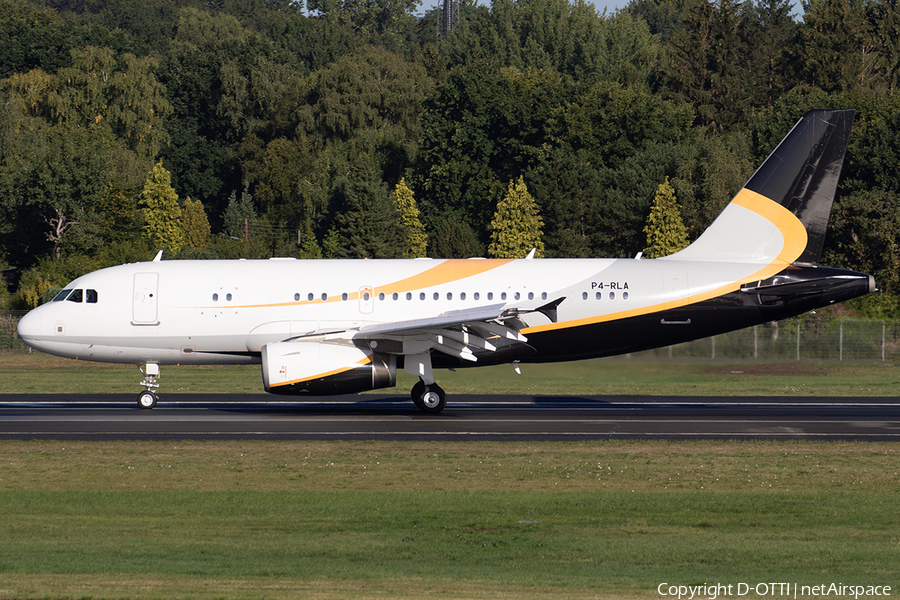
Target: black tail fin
<point>802,173</point>
<point>781,214</point>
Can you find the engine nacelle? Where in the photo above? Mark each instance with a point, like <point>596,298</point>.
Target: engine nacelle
<point>320,369</point>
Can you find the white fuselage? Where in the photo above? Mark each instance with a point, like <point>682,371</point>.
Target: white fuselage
<point>217,312</point>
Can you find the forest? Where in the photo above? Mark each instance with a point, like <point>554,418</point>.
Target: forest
<point>258,128</point>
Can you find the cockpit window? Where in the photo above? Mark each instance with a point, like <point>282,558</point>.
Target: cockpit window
<point>61,296</point>
<point>91,296</point>
<point>76,296</point>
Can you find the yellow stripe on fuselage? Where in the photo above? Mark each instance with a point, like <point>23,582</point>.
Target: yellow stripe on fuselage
<point>795,240</point>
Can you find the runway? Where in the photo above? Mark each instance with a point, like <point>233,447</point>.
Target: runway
<point>467,417</point>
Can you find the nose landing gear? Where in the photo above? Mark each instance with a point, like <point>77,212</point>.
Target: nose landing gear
<point>148,398</point>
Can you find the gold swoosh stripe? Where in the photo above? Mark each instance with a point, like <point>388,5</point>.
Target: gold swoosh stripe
<point>446,272</point>
<point>364,361</point>
<point>795,240</point>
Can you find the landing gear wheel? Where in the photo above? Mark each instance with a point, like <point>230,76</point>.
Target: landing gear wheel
<point>147,399</point>
<point>416,393</point>
<point>429,398</point>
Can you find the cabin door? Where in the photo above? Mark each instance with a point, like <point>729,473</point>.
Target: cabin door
<point>144,307</point>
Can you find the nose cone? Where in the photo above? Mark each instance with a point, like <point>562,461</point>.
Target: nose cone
<point>29,328</point>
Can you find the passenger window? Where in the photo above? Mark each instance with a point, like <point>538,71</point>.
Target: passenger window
<point>409,295</point>
<point>381,295</point>
<point>599,295</point>
<point>215,297</point>
<point>624,295</point>
<point>503,295</point>
<point>531,295</point>
<point>476,296</point>
<point>436,295</point>
<point>366,296</point>
<point>310,297</point>
<point>421,295</point>
<point>490,295</point>
<point>462,295</point>
<point>584,295</point>
<point>395,296</point>
<point>544,296</point>
<point>76,296</point>
<point>296,297</point>
<point>344,296</point>
<point>61,296</point>
<point>91,296</point>
<point>228,297</point>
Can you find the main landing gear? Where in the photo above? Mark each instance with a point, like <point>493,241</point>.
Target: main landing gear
<point>429,398</point>
<point>148,398</point>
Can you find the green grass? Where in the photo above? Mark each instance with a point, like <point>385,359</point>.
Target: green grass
<point>39,373</point>
<point>467,520</point>
<point>210,520</point>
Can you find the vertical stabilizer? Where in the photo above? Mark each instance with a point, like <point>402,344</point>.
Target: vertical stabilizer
<point>781,214</point>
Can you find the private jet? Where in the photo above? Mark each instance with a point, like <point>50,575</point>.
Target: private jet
<point>320,327</point>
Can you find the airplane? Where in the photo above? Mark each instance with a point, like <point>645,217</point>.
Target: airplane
<point>321,327</point>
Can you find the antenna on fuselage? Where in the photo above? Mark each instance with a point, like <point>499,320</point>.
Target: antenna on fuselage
<point>158,256</point>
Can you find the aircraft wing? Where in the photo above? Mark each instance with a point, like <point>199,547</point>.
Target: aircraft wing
<point>449,318</point>
<point>459,333</point>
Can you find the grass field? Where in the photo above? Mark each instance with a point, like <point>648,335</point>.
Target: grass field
<point>462,520</point>
<point>40,373</point>
<point>330,520</point>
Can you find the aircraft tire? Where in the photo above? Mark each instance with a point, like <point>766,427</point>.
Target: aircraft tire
<point>147,400</point>
<point>416,394</point>
<point>430,399</point>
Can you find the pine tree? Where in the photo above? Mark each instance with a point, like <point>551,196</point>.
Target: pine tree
<point>416,238</point>
<point>516,227</point>
<point>195,223</point>
<point>666,233</point>
<point>162,212</point>
<point>240,220</point>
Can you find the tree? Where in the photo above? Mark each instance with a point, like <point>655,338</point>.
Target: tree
<point>371,89</point>
<point>516,228</point>
<point>771,35</point>
<point>100,91</point>
<point>453,237</point>
<point>416,238</point>
<point>864,237</point>
<point>240,221</point>
<point>195,223</point>
<point>162,214</point>
<point>666,233</point>
<point>840,48</point>
<point>708,61</point>
<point>366,223</point>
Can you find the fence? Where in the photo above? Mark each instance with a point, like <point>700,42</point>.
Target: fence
<point>803,338</point>
<point>9,342</point>
<point>809,337</point>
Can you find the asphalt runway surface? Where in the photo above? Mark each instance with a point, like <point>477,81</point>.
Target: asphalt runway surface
<point>466,417</point>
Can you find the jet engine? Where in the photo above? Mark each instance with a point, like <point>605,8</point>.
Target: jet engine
<point>316,368</point>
